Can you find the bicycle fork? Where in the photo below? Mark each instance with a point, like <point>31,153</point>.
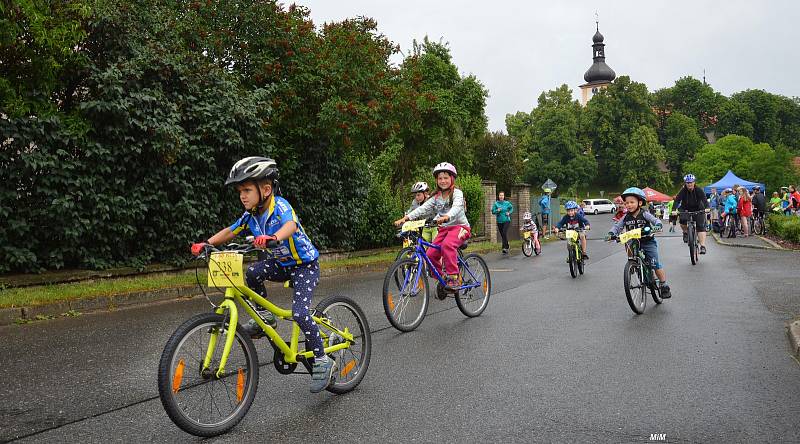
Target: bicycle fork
<point>230,335</point>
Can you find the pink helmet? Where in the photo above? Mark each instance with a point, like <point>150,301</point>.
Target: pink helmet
<point>445,166</point>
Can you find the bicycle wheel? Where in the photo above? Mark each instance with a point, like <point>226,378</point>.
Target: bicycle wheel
<point>527,247</point>
<point>655,292</point>
<point>635,287</point>
<point>692,244</point>
<point>405,294</point>
<point>473,302</point>
<point>579,261</point>
<point>198,401</point>
<point>351,362</point>
<point>573,266</point>
<point>758,226</point>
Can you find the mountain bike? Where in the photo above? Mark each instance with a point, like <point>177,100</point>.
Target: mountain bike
<point>638,276</point>
<point>574,251</point>
<point>758,226</point>
<point>208,371</point>
<point>691,235</point>
<point>729,226</point>
<point>405,287</point>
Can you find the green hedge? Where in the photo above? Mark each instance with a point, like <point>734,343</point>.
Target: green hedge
<point>785,227</point>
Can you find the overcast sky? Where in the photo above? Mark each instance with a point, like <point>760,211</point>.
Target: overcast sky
<point>520,48</point>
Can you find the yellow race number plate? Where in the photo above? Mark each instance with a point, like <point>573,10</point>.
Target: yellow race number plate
<point>571,235</point>
<point>413,225</point>
<point>631,234</point>
<point>226,270</point>
<point>526,234</point>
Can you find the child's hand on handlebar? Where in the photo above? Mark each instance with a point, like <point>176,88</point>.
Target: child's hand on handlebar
<point>401,221</point>
<point>442,219</point>
<point>198,247</point>
<point>263,240</point>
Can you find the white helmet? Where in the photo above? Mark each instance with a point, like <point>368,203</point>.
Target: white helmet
<point>419,187</point>
<point>445,166</point>
<point>526,215</point>
<point>252,168</point>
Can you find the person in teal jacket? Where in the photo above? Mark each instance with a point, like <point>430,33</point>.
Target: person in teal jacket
<point>503,209</point>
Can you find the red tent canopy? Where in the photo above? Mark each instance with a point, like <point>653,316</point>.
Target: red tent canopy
<point>656,196</point>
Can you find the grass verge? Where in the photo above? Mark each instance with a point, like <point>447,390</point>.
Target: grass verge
<point>48,294</point>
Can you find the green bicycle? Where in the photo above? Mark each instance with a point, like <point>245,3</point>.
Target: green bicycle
<point>208,372</point>
<point>638,276</point>
<point>574,252</point>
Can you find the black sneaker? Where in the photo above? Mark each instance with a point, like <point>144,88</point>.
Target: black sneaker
<point>441,293</point>
<point>505,250</point>
<point>685,238</point>
<point>702,249</point>
<point>585,256</point>
<point>665,293</point>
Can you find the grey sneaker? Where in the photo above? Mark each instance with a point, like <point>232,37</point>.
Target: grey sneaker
<point>254,330</point>
<point>321,374</point>
<point>665,292</point>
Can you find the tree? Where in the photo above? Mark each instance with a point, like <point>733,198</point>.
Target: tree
<point>764,106</point>
<point>735,117</point>
<point>498,158</point>
<point>642,160</point>
<point>756,162</point>
<point>611,117</point>
<point>692,98</point>
<point>681,142</point>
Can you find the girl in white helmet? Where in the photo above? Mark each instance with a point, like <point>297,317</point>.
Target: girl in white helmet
<point>529,225</point>
<point>449,207</point>
<point>421,193</point>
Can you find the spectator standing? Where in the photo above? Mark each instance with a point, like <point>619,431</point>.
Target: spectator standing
<point>713,203</point>
<point>759,202</point>
<point>775,203</point>
<point>503,209</point>
<point>745,209</point>
<point>544,205</point>
<point>794,199</point>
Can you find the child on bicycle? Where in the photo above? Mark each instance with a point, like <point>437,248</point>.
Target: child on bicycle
<point>421,193</point>
<point>449,207</point>
<point>269,218</point>
<point>530,226</point>
<point>571,221</point>
<point>637,217</point>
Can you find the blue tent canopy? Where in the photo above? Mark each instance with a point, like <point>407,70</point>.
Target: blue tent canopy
<point>729,180</point>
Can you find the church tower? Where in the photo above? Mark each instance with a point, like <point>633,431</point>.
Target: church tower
<point>599,75</point>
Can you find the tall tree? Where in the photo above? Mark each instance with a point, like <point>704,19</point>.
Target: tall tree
<point>692,98</point>
<point>681,141</point>
<point>643,159</point>
<point>498,158</point>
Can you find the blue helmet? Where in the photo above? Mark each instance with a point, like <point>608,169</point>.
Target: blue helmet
<point>689,178</point>
<point>636,192</point>
<point>570,205</point>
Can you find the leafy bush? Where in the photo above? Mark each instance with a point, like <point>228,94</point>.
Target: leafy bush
<point>785,227</point>
<point>470,184</point>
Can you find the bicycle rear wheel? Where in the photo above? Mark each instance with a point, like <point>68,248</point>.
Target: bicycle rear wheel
<point>635,287</point>
<point>197,400</point>
<point>405,294</point>
<point>351,362</point>
<point>573,266</point>
<point>472,302</point>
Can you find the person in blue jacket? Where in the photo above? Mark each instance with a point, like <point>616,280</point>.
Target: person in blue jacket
<point>574,221</point>
<point>729,203</point>
<point>503,209</point>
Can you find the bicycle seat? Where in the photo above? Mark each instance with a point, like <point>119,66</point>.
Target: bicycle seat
<point>464,246</point>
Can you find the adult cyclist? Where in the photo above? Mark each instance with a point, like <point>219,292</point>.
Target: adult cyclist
<point>692,198</point>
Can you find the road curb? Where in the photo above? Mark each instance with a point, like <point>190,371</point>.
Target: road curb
<point>757,247</point>
<point>794,337</point>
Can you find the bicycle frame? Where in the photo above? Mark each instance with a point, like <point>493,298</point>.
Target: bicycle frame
<point>637,255</point>
<point>235,296</point>
<point>421,253</point>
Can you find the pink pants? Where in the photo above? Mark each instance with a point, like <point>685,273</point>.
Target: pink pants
<point>449,238</point>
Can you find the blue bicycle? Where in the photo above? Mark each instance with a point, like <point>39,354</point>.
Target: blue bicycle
<point>405,288</point>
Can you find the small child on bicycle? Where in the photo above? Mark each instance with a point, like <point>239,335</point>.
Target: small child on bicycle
<point>572,221</point>
<point>528,225</point>
<point>637,217</point>
<point>421,193</point>
<point>449,207</point>
<point>269,218</point>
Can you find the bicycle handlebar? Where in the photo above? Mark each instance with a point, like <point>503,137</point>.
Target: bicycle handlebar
<point>233,247</point>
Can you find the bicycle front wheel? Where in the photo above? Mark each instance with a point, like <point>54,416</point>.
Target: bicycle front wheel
<point>692,245</point>
<point>351,362</point>
<point>635,287</point>
<point>196,399</point>
<point>573,265</point>
<point>527,247</point>
<point>473,301</point>
<point>405,294</point>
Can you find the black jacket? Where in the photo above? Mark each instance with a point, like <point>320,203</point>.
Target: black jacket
<point>691,201</point>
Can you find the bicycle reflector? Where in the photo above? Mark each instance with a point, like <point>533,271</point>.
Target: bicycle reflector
<point>176,380</point>
<point>240,385</point>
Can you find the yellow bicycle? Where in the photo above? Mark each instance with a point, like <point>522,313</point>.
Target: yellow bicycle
<point>208,372</point>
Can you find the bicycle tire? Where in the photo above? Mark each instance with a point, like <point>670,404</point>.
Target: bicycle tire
<point>463,298</point>
<point>391,306</point>
<point>573,266</point>
<point>171,375</point>
<point>352,361</point>
<point>527,247</point>
<point>635,296</point>
<point>692,244</point>
<point>579,261</point>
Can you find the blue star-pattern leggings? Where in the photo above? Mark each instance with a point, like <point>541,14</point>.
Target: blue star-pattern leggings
<point>305,278</point>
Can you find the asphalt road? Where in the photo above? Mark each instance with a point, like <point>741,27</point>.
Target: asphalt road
<point>551,359</point>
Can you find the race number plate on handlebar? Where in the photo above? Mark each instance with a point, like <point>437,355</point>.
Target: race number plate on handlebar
<point>413,225</point>
<point>526,234</point>
<point>631,234</point>
<point>226,270</point>
<point>571,235</point>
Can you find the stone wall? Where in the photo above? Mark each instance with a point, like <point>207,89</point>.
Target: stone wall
<point>488,221</point>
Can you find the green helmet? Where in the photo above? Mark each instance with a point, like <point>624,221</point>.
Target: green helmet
<point>548,190</point>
